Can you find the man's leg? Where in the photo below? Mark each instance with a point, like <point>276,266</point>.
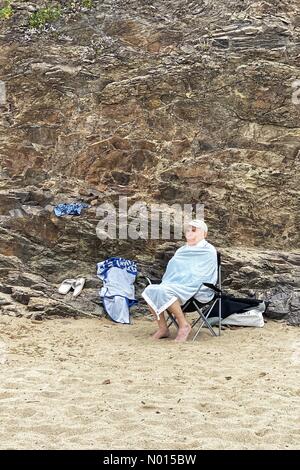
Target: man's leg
<point>184,327</point>
<point>163,330</point>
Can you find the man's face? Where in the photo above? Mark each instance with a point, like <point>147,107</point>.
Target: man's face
<point>193,235</point>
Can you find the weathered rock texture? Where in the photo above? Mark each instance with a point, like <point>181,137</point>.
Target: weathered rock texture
<point>163,101</point>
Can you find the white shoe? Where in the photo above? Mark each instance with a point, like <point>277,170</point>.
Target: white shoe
<point>66,286</point>
<point>78,286</point>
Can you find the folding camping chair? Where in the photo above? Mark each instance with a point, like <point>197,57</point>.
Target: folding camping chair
<point>203,309</point>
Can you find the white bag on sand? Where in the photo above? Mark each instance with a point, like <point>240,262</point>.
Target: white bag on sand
<point>253,317</point>
<point>249,318</point>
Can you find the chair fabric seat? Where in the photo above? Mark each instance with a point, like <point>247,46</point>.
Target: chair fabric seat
<point>189,306</point>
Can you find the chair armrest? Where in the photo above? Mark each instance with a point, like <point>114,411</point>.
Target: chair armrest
<point>154,281</point>
<point>211,286</point>
<point>150,280</point>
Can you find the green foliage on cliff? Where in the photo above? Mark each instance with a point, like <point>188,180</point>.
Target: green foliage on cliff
<point>87,3</point>
<point>78,4</point>
<point>6,11</point>
<point>44,16</point>
<point>51,13</point>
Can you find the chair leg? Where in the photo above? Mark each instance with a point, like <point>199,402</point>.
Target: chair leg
<point>195,321</point>
<point>196,334</point>
<point>172,320</point>
<point>204,320</point>
<point>209,325</point>
<point>220,314</point>
<point>220,298</point>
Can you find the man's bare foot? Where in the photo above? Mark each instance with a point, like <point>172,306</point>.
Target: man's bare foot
<point>183,333</point>
<point>161,334</point>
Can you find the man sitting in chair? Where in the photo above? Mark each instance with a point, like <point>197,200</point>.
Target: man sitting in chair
<point>191,266</point>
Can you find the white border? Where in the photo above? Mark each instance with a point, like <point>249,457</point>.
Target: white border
<point>161,309</point>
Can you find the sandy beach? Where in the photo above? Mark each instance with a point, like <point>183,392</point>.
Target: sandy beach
<point>91,384</point>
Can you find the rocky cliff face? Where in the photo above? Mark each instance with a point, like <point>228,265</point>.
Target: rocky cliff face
<point>162,101</point>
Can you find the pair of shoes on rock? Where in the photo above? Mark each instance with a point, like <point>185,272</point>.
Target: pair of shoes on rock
<point>68,284</point>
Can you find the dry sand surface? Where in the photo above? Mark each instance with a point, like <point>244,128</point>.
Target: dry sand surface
<point>91,384</point>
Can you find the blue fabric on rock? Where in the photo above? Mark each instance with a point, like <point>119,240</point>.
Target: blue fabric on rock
<point>118,293</point>
<point>74,208</point>
<point>186,272</point>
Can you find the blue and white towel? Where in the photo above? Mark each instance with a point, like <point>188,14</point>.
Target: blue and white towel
<point>118,293</point>
<point>74,208</point>
<point>186,272</point>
